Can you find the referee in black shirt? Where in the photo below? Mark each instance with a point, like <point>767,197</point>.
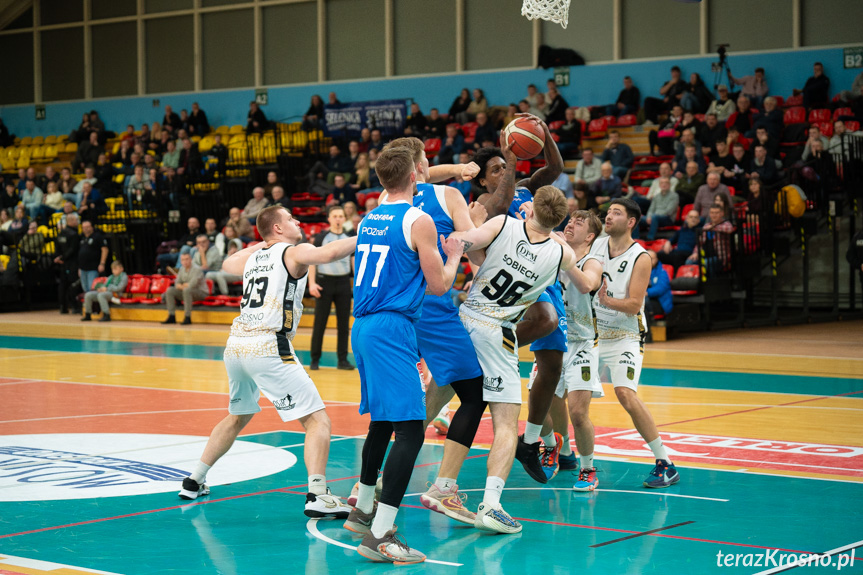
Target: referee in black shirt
<point>331,283</point>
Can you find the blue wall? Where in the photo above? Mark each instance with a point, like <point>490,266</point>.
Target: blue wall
<point>589,85</point>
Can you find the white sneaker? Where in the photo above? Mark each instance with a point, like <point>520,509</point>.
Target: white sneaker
<point>441,424</point>
<point>355,491</point>
<point>389,549</point>
<point>490,518</point>
<point>326,506</point>
<point>192,489</point>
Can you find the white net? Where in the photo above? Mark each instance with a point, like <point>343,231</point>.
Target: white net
<point>552,10</point>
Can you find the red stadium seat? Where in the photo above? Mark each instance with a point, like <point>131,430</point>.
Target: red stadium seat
<point>819,116</point>
<point>731,190</point>
<point>687,271</point>
<point>826,129</point>
<point>556,125</point>
<point>627,120</point>
<point>780,101</point>
<point>596,129</point>
<point>469,131</point>
<point>852,125</point>
<point>685,210</point>
<point>433,146</point>
<point>257,234</point>
<point>841,112</point>
<point>794,101</point>
<point>700,117</point>
<point>137,288</point>
<point>610,120</point>
<point>795,115</point>
<point>669,269</point>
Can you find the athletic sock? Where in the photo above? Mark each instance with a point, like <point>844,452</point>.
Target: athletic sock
<point>366,498</point>
<point>384,519</point>
<point>444,483</point>
<point>658,449</point>
<point>566,448</point>
<point>444,411</point>
<point>199,473</point>
<point>493,490</point>
<point>531,432</point>
<point>586,461</point>
<point>549,440</point>
<point>318,484</point>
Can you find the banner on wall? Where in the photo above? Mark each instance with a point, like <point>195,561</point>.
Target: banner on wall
<point>349,119</point>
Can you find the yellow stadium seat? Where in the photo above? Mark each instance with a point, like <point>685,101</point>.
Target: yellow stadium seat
<point>72,147</point>
<point>119,179</point>
<point>138,132</point>
<point>205,144</point>
<point>51,139</point>
<point>23,162</point>
<point>8,164</point>
<point>236,129</point>
<point>222,130</point>
<point>195,139</point>
<point>25,152</point>
<point>26,141</point>
<point>62,138</point>
<point>37,152</point>
<point>237,139</point>
<point>13,152</point>
<point>37,140</point>
<point>55,219</point>
<point>4,260</point>
<point>115,148</point>
<point>50,152</point>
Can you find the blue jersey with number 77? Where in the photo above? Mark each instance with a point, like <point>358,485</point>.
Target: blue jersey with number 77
<point>388,276</point>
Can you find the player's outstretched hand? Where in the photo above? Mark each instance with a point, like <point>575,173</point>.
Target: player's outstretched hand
<point>526,209</point>
<point>478,214</point>
<point>506,149</point>
<point>469,171</point>
<point>452,247</point>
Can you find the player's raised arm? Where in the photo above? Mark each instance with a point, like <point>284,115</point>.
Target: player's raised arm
<point>553,162</point>
<point>631,304</point>
<point>439,276</point>
<point>464,217</point>
<point>236,263</point>
<point>307,254</point>
<point>445,172</point>
<point>499,201</point>
<point>481,237</point>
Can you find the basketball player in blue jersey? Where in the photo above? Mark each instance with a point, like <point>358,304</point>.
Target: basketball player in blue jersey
<point>259,356</point>
<point>544,324</point>
<point>397,258</point>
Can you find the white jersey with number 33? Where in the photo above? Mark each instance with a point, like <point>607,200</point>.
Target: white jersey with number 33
<point>514,274</point>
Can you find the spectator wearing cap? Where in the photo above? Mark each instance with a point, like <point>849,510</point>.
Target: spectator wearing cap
<point>723,106</point>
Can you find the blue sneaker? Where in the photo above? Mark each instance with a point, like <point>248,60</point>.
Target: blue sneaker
<point>587,480</point>
<point>664,474</point>
<point>568,462</point>
<point>549,458</point>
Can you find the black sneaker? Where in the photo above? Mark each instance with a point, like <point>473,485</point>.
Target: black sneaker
<point>192,489</point>
<point>105,317</point>
<point>346,365</point>
<point>187,321</point>
<point>314,365</point>
<point>86,317</point>
<point>528,455</point>
<point>170,319</point>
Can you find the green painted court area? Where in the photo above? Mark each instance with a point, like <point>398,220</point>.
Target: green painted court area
<point>258,526</point>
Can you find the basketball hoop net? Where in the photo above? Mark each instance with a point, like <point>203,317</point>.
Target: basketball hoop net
<point>552,10</point>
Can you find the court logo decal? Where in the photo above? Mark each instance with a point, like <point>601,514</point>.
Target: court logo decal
<point>50,467</point>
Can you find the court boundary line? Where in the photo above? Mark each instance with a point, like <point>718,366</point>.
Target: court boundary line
<point>836,551</point>
<point>642,534</point>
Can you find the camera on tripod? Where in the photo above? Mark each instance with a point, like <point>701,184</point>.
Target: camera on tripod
<point>722,50</point>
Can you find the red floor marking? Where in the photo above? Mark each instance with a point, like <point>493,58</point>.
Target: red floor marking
<point>4,572</point>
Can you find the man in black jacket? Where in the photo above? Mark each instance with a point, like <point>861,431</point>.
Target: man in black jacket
<point>627,102</point>
<point>68,243</point>
<point>855,255</point>
<point>257,121</point>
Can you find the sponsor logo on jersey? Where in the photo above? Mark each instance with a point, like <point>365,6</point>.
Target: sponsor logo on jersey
<point>247,317</point>
<point>292,289</point>
<point>375,231</point>
<point>520,268</point>
<point>262,269</point>
<point>630,373</point>
<point>384,217</point>
<point>262,256</point>
<point>285,404</point>
<point>523,251</point>
<point>493,383</point>
<point>585,373</point>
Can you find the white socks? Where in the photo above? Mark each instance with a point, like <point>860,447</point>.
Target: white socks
<point>493,490</point>
<point>586,461</point>
<point>566,448</point>
<point>318,484</point>
<point>384,519</point>
<point>658,449</point>
<point>366,498</point>
<point>199,473</point>
<point>531,432</point>
<point>444,483</point>
<point>549,440</point>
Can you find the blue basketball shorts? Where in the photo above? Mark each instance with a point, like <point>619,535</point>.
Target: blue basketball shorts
<point>444,343</point>
<point>556,340</point>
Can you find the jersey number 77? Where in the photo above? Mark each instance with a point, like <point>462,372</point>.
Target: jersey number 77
<point>364,260</point>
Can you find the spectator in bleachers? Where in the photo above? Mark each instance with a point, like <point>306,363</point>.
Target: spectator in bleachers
<point>619,154</point>
<point>333,100</point>
<point>139,188</point>
<point>78,190</point>
<point>608,187</point>
<point>816,91</point>
<point>741,119</point>
<point>721,159</point>
<point>691,153</point>
<point>664,172</point>
<point>531,98</point>
<point>671,92</point>
<point>221,278</point>
<point>689,182</point>
<point>10,198</point>
<point>689,123</point>
<point>697,97</point>
<point>628,101</point>
<point>588,168</point>
<point>662,211</point>
<point>67,245</point>
<point>198,123</point>
<point>23,176</point>
<point>416,123</point>
<point>159,145</point>
<point>189,286</point>
<point>5,220</point>
<point>353,153</point>
<point>435,125</point>
<point>145,137</point>
<point>754,87</point>
<point>20,221</point>
<point>764,166</point>
<point>92,254</point>
<point>50,175</point>
<point>581,198</point>
<point>215,237</point>
<point>185,121</point>
<point>823,161</point>
<point>88,153</point>
<point>33,242</point>
<point>569,135</point>
<point>205,254</point>
<point>364,177</point>
<point>254,206</point>
<point>510,116</point>
<point>540,108</point>
<point>475,106</point>
<point>765,139</point>
<point>376,142</point>
<point>372,203</point>
<point>659,300</point>
<point>667,134</point>
<point>452,145</point>
<point>342,191</point>
<point>220,153</point>
<point>187,242</point>
<point>31,198</point>
<point>337,163</point>
<point>735,137</point>
<point>717,245</point>
<point>279,197</point>
<point>564,184</point>
<point>735,173</point>
<point>706,194</point>
<point>366,139</point>
<point>241,225</point>
<point>557,107</point>
<point>67,182</point>
<point>124,153</point>
<point>710,132</point>
<point>814,134</point>
<point>6,139</point>
<point>93,204</point>
<point>256,119</point>
<point>171,121</point>
<point>724,106</point>
<point>351,215</point>
<point>52,202</point>
<point>68,209</point>
<point>755,199</point>
<point>771,119</point>
<point>314,116</point>
<point>722,200</point>
<point>460,104</point>
<point>113,287</point>
<point>484,131</point>
<point>191,161</point>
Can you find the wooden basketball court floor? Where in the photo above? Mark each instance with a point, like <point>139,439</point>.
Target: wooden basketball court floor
<point>99,423</point>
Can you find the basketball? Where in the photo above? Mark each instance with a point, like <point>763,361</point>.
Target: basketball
<point>526,138</point>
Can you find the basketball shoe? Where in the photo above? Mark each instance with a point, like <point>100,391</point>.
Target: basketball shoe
<point>388,549</point>
<point>441,423</point>
<point>587,480</point>
<point>326,506</point>
<point>490,518</point>
<point>450,503</point>
<point>568,462</point>
<point>664,474</point>
<point>550,457</point>
<point>528,456</point>
<point>360,522</point>
<point>192,489</point>
<point>355,490</point>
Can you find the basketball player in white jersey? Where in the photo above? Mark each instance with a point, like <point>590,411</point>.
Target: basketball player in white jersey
<point>521,260</point>
<point>619,306</point>
<point>259,356</point>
